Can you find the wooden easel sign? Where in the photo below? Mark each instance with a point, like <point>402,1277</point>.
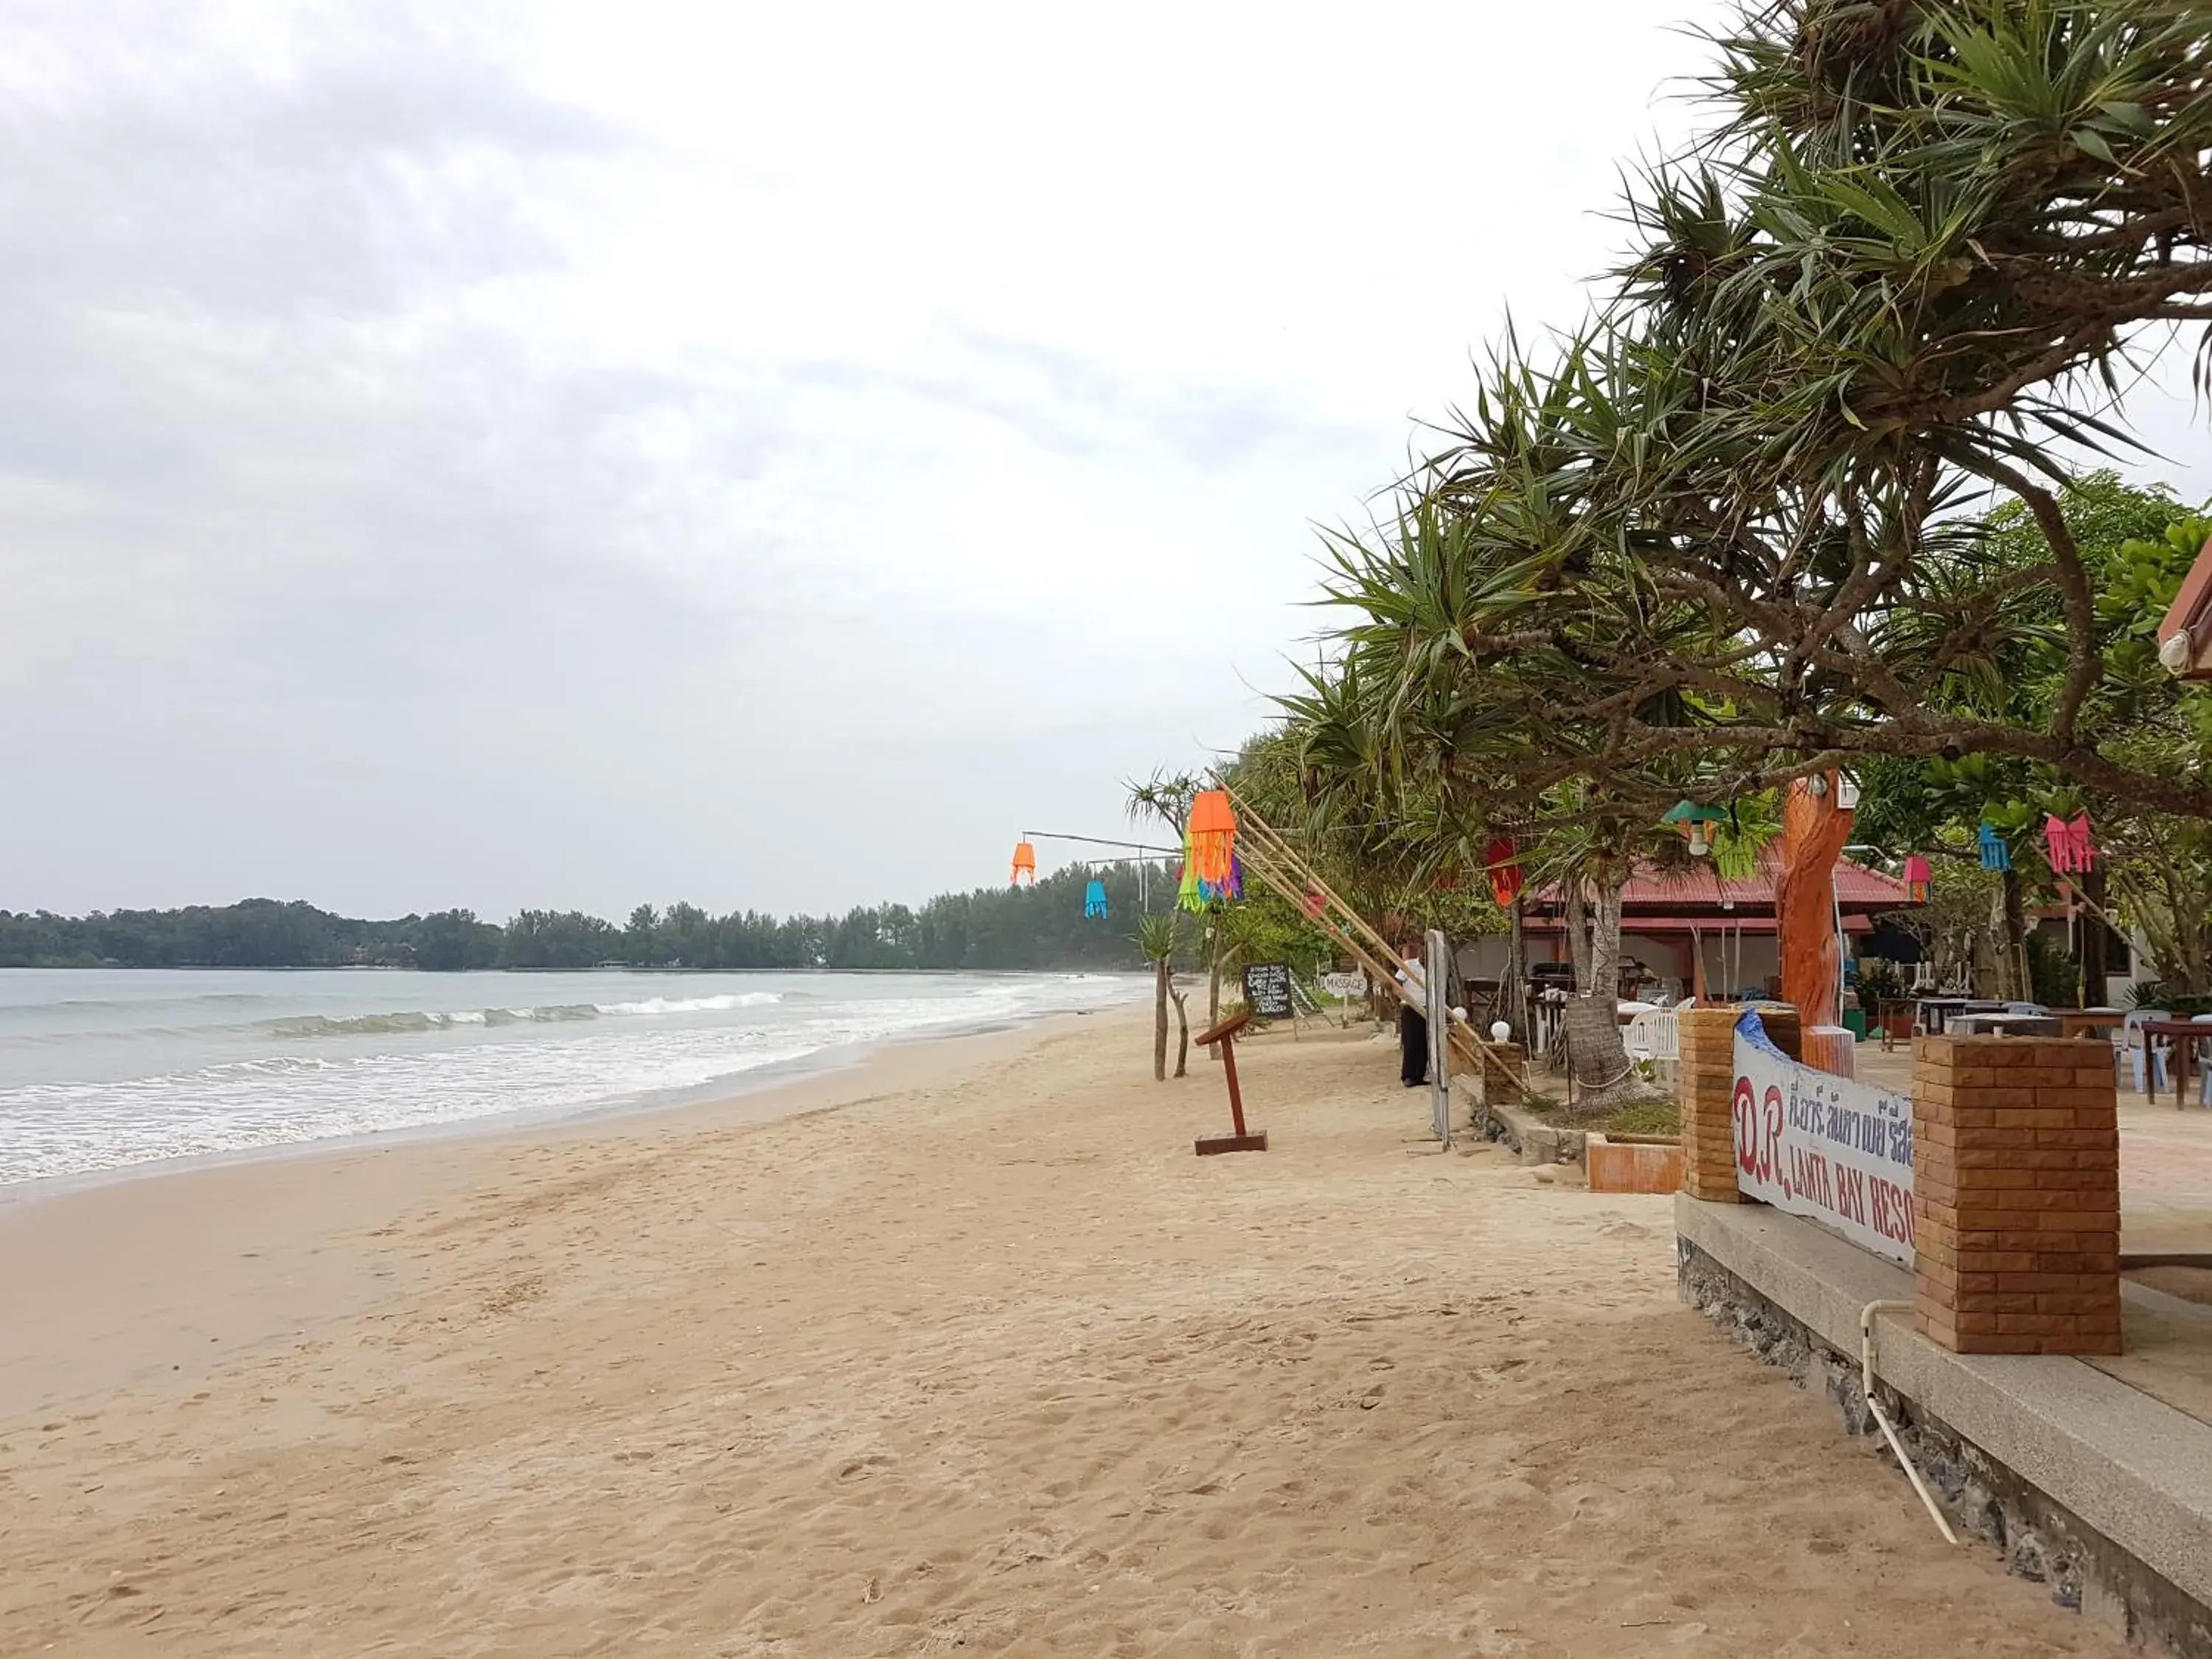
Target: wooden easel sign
<point>1242,1141</point>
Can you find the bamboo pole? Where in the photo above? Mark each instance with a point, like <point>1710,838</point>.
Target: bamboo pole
<point>1273,846</point>
<point>1282,850</point>
<point>1271,853</point>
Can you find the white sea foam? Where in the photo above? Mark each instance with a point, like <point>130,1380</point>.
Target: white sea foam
<point>135,1087</point>
<point>692,1005</point>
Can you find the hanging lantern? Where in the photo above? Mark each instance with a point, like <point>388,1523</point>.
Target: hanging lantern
<point>1094,900</point>
<point>1196,891</point>
<point>2072,851</point>
<point>1211,840</point>
<point>2085,850</point>
<point>1917,876</point>
<point>1996,855</point>
<point>1025,863</point>
<point>1187,889</point>
<point>1696,823</point>
<point>1504,871</point>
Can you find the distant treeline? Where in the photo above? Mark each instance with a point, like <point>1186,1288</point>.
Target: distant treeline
<point>989,928</point>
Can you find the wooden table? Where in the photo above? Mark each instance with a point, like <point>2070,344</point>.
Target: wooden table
<point>2087,1022</point>
<point>1931,1016</point>
<point>2184,1035</point>
<point>2018,1025</point>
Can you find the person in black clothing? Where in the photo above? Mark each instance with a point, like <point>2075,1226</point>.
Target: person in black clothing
<point>1412,1026</point>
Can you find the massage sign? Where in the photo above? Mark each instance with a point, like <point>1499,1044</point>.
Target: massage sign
<point>1824,1147</point>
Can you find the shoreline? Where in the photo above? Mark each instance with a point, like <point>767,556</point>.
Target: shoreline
<point>736,1085</point>
<point>160,1270</point>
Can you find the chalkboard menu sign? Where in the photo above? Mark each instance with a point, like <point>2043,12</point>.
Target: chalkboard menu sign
<point>1267,989</point>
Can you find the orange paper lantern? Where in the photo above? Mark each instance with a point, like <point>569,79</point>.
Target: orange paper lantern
<point>1025,863</point>
<point>1212,836</point>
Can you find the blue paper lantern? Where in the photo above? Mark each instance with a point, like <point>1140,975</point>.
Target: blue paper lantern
<point>1094,900</point>
<point>1996,855</point>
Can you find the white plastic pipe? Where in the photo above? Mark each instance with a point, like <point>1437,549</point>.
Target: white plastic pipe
<point>1865,1387</point>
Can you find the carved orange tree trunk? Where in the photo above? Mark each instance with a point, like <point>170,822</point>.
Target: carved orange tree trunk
<point>1814,831</point>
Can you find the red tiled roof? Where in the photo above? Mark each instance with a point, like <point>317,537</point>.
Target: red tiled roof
<point>1743,918</point>
<point>1699,891</point>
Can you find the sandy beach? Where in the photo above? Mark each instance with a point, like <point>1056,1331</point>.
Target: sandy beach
<point>961,1349</point>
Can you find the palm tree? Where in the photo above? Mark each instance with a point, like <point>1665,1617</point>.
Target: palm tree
<point>1156,940</point>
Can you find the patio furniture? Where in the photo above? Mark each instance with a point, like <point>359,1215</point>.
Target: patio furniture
<point>1932,1015</point>
<point>2138,1057</point>
<point>2182,1038</point>
<point>2002,1024</point>
<point>2087,1022</point>
<point>1656,1036</point>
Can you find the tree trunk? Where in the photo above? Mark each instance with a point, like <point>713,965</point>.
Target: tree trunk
<point>1182,1023</point>
<point>2092,923</point>
<point>1596,1055</point>
<point>1161,974</point>
<point>1577,919</point>
<point>2013,970</point>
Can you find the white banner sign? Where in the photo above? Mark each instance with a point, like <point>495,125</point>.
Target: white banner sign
<point>1344,984</point>
<point>1823,1146</point>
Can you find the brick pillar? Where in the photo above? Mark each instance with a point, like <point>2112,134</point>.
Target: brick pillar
<point>2016,1195</point>
<point>1504,1065</point>
<point>1708,1076</point>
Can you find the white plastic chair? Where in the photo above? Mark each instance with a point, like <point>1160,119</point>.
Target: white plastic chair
<point>2134,1046</point>
<point>1655,1035</point>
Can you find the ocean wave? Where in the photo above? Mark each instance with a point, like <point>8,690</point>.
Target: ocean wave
<point>692,1005</point>
<point>622,1052</point>
<point>444,1019</point>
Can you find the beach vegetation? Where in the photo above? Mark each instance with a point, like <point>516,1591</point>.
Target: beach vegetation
<point>1802,491</point>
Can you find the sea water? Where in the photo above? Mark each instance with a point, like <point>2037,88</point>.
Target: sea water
<point>101,1069</point>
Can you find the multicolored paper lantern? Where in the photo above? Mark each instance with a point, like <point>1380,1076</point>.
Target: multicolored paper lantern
<point>1024,865</point>
<point>1918,876</point>
<point>1094,900</point>
<point>1210,842</point>
<point>1211,873</point>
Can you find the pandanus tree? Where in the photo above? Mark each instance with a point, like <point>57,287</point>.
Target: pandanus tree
<point>1726,522</point>
<point>1719,540</point>
<point>1481,622</point>
<point>1910,268</point>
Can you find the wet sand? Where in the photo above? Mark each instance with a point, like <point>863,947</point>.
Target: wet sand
<point>983,1360</point>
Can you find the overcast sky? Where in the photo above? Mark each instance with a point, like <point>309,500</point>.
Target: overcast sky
<point>768,455</point>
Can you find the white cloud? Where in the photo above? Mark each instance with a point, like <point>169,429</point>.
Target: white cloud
<point>768,455</point>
